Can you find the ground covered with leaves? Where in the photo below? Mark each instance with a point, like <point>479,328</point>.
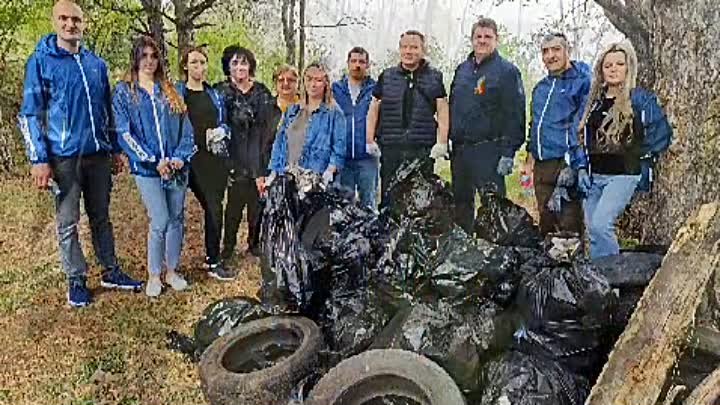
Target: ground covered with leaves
<point>113,352</point>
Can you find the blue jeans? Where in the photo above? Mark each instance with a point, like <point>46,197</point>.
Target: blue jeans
<point>88,178</point>
<point>361,175</point>
<point>606,200</point>
<point>166,209</point>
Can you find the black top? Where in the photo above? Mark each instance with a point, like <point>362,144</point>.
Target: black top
<point>613,156</point>
<point>202,114</point>
<point>253,118</point>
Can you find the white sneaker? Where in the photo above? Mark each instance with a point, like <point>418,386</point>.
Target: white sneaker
<point>175,280</point>
<point>153,287</point>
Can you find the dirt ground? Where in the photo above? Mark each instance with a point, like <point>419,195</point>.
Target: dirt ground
<point>112,352</point>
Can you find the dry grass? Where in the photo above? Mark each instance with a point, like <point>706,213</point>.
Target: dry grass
<point>51,354</point>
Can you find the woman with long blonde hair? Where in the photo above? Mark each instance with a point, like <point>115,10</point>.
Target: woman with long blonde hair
<point>623,131</point>
<point>155,132</point>
<point>312,134</point>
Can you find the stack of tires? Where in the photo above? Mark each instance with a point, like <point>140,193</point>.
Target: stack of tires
<point>263,361</point>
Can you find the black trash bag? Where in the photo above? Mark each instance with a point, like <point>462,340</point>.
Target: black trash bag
<point>416,192</point>
<point>517,378</point>
<point>629,269</point>
<point>463,269</point>
<point>503,222</point>
<point>184,344</point>
<point>294,218</point>
<point>566,312</point>
<point>222,316</point>
<point>459,339</point>
<point>351,321</point>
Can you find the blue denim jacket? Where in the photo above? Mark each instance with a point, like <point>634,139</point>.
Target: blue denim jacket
<point>324,140</point>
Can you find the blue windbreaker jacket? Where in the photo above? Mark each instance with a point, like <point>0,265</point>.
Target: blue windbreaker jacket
<point>324,140</point>
<point>66,104</point>
<point>149,130</point>
<point>558,103</point>
<point>355,115</point>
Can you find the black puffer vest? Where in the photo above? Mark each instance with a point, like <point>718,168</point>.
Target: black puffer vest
<point>416,90</point>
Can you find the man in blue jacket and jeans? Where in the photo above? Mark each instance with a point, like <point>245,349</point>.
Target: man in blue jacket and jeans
<point>487,121</point>
<point>353,93</point>
<point>558,102</point>
<point>65,120</point>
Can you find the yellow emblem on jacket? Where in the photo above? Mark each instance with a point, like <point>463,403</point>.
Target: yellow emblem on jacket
<point>480,88</point>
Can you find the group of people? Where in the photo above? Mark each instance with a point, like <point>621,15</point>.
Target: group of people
<point>236,137</point>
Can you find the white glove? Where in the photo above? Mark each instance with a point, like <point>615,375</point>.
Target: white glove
<point>439,151</point>
<point>328,176</point>
<point>373,149</point>
<point>269,179</point>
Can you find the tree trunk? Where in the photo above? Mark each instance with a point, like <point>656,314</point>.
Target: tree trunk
<point>184,29</point>
<point>301,48</point>
<point>288,24</point>
<point>156,24</point>
<point>680,60</point>
<point>644,354</point>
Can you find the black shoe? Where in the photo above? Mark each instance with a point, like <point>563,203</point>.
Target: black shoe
<point>219,272</point>
<point>78,294</point>
<point>115,278</point>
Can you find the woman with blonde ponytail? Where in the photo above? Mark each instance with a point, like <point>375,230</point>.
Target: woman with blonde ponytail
<point>622,132</point>
<point>154,131</point>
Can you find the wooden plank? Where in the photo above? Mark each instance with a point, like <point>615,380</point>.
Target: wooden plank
<point>648,348</point>
<point>708,392</point>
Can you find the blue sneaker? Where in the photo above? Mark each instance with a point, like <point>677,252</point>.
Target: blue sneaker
<point>115,278</point>
<point>78,294</point>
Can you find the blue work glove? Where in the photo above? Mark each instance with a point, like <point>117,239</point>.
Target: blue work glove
<point>505,166</point>
<point>556,199</point>
<point>646,175</point>
<point>584,181</point>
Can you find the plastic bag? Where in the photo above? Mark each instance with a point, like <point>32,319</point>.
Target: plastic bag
<point>628,269</point>
<point>566,311</point>
<point>521,379</point>
<point>415,192</point>
<point>222,316</point>
<point>503,222</point>
<point>459,339</point>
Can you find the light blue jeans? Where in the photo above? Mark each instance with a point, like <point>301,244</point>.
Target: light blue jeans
<point>606,200</point>
<point>166,209</point>
<point>361,175</point>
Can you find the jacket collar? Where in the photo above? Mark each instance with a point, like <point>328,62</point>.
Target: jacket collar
<point>345,83</point>
<point>494,55</point>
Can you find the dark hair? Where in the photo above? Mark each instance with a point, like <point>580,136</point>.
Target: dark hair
<point>414,32</point>
<point>242,53</point>
<point>360,50</point>
<point>186,55</point>
<point>484,22</point>
<point>136,55</point>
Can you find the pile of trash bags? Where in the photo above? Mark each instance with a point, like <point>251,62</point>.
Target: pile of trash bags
<point>509,322</point>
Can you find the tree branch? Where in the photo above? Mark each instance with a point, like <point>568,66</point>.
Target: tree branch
<point>195,11</point>
<point>623,17</point>
<point>202,25</point>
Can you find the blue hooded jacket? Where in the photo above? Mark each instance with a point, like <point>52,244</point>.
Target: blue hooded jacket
<point>148,130</point>
<point>355,115</point>
<point>558,103</point>
<point>324,140</point>
<point>66,104</point>
<point>217,101</point>
<point>657,135</point>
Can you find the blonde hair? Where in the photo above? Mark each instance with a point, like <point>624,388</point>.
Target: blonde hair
<point>620,115</point>
<point>327,95</point>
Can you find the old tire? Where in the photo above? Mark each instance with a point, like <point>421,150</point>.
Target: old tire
<point>260,362</point>
<point>386,374</point>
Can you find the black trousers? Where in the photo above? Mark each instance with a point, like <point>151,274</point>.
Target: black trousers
<point>393,157</point>
<point>242,193</point>
<point>208,181</point>
<point>474,167</point>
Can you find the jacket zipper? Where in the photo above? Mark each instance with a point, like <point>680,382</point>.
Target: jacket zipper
<point>87,94</point>
<point>157,126</point>
<point>63,135</point>
<point>542,116</point>
<point>352,124</point>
